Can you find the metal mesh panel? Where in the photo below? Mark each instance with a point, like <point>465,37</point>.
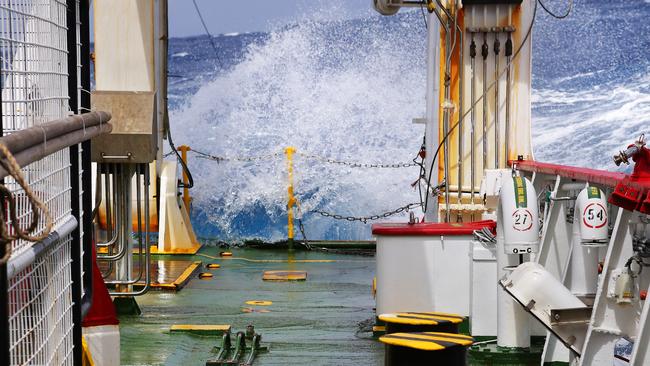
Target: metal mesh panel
<point>40,304</point>
<point>34,78</point>
<point>33,47</point>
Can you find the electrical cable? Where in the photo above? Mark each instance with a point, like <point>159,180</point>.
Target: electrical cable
<point>514,56</point>
<point>424,16</point>
<point>205,27</point>
<point>568,10</point>
<point>190,180</point>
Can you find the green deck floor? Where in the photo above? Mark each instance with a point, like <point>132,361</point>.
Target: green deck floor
<point>312,322</point>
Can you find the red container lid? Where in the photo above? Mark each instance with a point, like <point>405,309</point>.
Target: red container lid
<point>432,228</point>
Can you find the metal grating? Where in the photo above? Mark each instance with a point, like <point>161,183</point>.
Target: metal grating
<point>40,308</point>
<point>34,83</point>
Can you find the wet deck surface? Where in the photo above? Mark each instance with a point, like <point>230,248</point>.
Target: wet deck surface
<point>313,322</point>
<point>167,273</point>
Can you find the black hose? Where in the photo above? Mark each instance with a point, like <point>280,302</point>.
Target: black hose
<point>186,170</point>
<point>547,10</point>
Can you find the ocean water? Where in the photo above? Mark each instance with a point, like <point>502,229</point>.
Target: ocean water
<point>348,90</point>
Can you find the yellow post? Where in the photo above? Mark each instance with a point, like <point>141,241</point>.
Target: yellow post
<point>186,191</point>
<point>289,151</point>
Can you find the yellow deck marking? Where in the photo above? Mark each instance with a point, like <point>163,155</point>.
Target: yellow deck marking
<point>284,276</point>
<point>205,275</point>
<point>427,341</point>
<point>200,328</point>
<point>283,260</point>
<point>259,302</point>
<point>186,274</point>
<point>87,357</point>
<point>420,318</point>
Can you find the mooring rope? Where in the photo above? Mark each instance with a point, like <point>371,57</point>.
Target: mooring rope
<point>12,167</point>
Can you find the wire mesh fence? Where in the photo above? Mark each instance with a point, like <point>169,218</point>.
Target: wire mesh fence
<point>34,81</point>
<point>40,305</point>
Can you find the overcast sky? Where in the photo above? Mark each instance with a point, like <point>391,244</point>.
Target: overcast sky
<point>228,16</point>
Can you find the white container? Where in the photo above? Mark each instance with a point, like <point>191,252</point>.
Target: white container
<point>483,297</point>
<point>424,267</point>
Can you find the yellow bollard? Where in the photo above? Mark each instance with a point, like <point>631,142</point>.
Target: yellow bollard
<point>186,192</point>
<point>289,151</point>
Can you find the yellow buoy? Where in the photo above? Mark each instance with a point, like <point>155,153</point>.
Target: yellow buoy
<point>213,266</point>
<point>225,254</point>
<point>205,275</point>
<point>259,302</point>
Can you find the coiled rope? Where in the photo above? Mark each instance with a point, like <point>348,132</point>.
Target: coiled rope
<point>9,163</point>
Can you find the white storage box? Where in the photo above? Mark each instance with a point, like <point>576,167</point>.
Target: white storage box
<point>425,267</point>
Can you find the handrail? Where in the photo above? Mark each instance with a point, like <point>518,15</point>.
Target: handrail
<point>27,148</point>
<point>23,259</point>
<point>594,176</point>
<point>45,132</point>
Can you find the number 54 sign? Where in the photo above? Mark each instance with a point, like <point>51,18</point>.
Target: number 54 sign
<point>594,216</point>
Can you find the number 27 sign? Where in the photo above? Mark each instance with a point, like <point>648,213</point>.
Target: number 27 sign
<point>522,220</point>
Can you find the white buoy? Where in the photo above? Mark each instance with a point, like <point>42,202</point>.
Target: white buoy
<point>517,234</point>
<point>589,233</point>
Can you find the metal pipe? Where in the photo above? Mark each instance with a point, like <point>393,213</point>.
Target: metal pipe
<point>48,131</point>
<point>446,109</point>
<point>472,54</point>
<point>497,146</point>
<point>484,53</point>
<point>446,112</point>
<point>141,253</point>
<point>109,211</point>
<point>461,114</point>
<point>18,262</point>
<point>39,151</point>
<point>432,113</point>
<point>120,220</point>
<point>508,52</point>
<point>147,241</point>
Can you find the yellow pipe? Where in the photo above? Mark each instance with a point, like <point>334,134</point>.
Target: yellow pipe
<point>186,191</point>
<point>289,151</point>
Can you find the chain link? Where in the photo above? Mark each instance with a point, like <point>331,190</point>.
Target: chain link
<point>365,219</point>
<point>219,159</point>
<point>355,164</point>
<point>324,159</point>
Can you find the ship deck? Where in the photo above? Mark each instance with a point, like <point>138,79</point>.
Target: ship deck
<point>323,320</point>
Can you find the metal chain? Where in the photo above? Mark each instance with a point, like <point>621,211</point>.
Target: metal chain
<point>219,159</point>
<point>305,242</point>
<point>324,159</point>
<point>356,164</point>
<point>365,219</point>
